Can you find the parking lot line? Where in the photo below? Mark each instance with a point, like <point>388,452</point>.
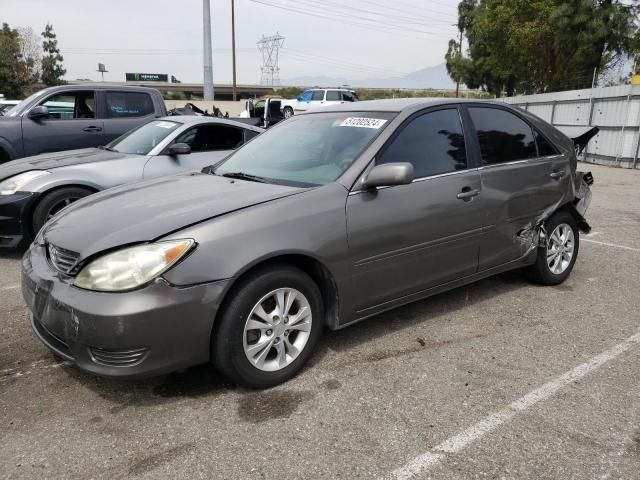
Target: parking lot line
<point>10,287</point>
<point>460,441</point>
<point>607,244</point>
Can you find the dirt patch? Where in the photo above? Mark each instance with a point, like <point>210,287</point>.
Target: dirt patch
<point>331,384</point>
<point>421,344</point>
<point>261,407</point>
<point>150,462</point>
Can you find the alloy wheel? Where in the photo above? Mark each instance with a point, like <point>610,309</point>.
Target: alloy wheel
<point>277,329</point>
<point>560,248</point>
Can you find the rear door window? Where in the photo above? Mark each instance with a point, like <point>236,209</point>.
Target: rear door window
<point>71,105</point>
<point>545,148</point>
<point>333,96</point>
<point>433,143</point>
<point>503,136</point>
<point>128,104</point>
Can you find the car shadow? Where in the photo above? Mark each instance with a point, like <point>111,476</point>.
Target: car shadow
<point>205,381</point>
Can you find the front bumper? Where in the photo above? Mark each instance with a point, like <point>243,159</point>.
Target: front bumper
<point>14,212</point>
<point>151,331</point>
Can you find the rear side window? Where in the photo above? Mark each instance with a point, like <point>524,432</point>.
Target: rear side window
<point>209,138</point>
<point>545,148</point>
<point>349,97</point>
<point>433,143</point>
<point>333,95</point>
<point>318,95</point>
<point>503,136</point>
<point>128,104</point>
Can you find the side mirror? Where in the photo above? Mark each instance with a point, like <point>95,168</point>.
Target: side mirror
<point>299,98</point>
<point>179,149</point>
<point>388,174</point>
<point>39,112</point>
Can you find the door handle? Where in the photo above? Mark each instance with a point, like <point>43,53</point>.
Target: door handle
<point>468,193</point>
<point>557,175</point>
<point>92,129</point>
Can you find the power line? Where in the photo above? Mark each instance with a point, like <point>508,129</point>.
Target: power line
<point>412,15</point>
<point>377,27</point>
<point>360,11</point>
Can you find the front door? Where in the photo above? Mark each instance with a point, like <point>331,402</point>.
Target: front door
<point>524,178</point>
<point>71,124</point>
<point>409,238</point>
<point>209,144</point>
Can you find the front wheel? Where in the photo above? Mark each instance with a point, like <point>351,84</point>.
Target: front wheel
<point>288,112</point>
<point>53,202</point>
<point>268,330</point>
<point>558,255</point>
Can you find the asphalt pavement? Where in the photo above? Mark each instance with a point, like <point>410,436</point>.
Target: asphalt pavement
<point>500,379</point>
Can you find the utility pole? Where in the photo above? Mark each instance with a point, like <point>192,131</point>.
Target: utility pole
<point>233,45</point>
<point>208,56</point>
<point>460,53</point>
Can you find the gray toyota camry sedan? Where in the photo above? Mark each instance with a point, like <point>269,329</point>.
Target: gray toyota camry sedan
<point>327,219</point>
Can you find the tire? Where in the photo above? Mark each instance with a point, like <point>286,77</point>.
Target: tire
<point>287,112</point>
<point>53,202</point>
<point>556,270</point>
<point>4,157</point>
<point>231,339</point>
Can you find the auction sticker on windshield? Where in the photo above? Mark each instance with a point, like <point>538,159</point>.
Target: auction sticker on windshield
<point>363,122</point>
<point>166,124</point>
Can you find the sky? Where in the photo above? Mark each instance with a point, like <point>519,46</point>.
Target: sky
<point>347,38</point>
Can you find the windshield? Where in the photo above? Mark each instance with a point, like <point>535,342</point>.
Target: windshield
<point>20,108</point>
<point>144,138</point>
<point>307,150</point>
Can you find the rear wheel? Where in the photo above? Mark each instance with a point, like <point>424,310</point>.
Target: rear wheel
<point>288,112</point>
<point>267,331</point>
<point>55,201</point>
<point>558,255</point>
<point>4,156</point>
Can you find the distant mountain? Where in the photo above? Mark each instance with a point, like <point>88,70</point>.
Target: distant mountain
<point>435,77</point>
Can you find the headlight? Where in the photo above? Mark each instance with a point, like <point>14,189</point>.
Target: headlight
<point>12,184</point>
<point>131,267</point>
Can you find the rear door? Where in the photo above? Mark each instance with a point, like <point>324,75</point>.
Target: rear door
<point>408,238</point>
<point>124,111</point>
<point>523,176</point>
<point>333,97</point>
<point>209,144</point>
<point>71,124</point>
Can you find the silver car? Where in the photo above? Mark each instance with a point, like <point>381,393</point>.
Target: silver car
<point>326,219</point>
<point>34,189</point>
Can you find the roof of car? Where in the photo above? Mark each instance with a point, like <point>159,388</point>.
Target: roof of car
<point>195,119</point>
<point>100,86</point>
<point>392,105</point>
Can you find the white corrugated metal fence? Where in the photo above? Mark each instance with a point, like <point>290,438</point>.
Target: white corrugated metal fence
<point>615,110</point>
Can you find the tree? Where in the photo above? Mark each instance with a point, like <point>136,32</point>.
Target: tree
<point>31,49</point>
<point>52,69</point>
<point>533,46</point>
<point>16,72</point>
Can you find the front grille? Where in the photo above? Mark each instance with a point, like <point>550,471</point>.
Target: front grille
<point>63,260</point>
<point>118,358</point>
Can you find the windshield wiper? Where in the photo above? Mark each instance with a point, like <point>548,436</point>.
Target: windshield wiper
<point>244,176</point>
<point>104,147</point>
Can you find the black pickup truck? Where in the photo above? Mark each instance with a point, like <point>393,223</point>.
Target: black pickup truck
<point>75,116</point>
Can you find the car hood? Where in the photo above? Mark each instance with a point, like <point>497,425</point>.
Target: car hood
<point>50,161</point>
<point>146,211</point>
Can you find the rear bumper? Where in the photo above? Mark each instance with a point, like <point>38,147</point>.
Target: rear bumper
<point>151,331</point>
<point>15,230</point>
